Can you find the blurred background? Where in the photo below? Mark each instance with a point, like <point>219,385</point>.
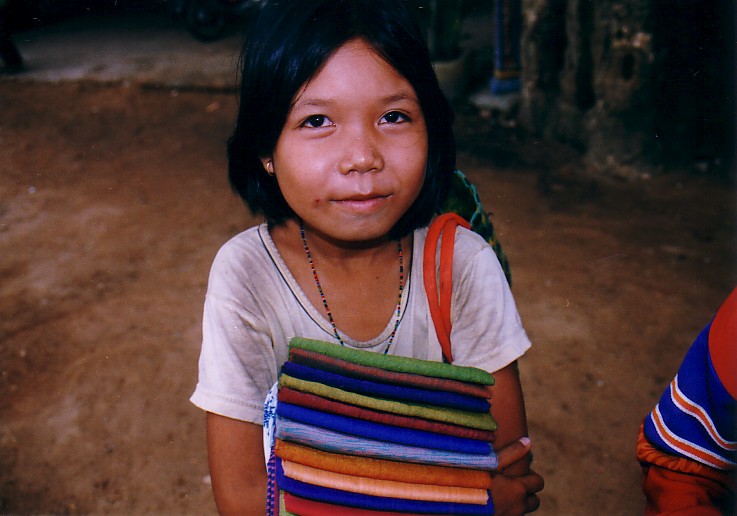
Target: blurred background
<point>600,136</point>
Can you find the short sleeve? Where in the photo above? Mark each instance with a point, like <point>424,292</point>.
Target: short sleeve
<point>237,364</point>
<point>487,329</point>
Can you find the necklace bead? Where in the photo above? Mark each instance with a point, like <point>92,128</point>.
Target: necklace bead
<point>324,300</point>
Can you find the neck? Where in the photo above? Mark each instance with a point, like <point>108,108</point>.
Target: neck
<point>330,249</point>
<point>363,270</point>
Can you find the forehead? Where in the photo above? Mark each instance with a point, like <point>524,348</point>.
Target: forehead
<point>355,71</point>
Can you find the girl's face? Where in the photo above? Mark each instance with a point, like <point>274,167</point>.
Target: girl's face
<point>351,157</point>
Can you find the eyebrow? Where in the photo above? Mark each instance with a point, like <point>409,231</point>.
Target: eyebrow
<point>311,103</point>
<point>323,102</point>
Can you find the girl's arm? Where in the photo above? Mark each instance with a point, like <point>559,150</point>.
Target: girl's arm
<point>508,408</point>
<point>514,488</point>
<point>236,459</point>
<point>516,495</point>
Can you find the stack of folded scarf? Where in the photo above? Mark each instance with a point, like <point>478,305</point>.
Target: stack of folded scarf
<point>363,433</point>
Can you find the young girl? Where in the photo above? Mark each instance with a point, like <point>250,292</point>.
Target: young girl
<point>344,144</point>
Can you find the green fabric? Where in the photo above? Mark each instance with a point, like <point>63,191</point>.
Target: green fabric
<point>483,421</point>
<point>396,363</point>
<point>463,199</point>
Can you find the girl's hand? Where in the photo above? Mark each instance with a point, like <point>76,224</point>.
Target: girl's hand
<point>513,495</point>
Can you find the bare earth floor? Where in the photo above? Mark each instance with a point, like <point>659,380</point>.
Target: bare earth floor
<point>113,201</point>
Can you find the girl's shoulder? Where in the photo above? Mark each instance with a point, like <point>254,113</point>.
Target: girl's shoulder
<point>244,242</point>
<point>468,244</point>
<point>244,252</point>
<point>470,240</point>
<point>474,259</point>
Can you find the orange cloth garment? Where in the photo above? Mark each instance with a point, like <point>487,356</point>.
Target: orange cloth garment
<point>679,486</point>
<point>384,488</point>
<point>383,469</point>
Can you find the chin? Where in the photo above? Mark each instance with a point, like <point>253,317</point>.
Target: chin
<point>359,235</point>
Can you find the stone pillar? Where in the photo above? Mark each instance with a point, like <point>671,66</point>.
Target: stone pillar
<point>630,83</point>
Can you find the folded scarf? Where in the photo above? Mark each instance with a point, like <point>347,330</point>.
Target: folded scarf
<point>363,372</point>
<point>385,488</point>
<point>383,469</point>
<point>303,399</point>
<point>382,390</point>
<point>336,442</point>
<point>335,496</point>
<point>304,507</point>
<point>459,417</point>
<point>381,432</point>
<point>396,363</point>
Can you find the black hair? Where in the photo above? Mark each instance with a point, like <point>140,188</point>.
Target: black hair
<point>286,44</point>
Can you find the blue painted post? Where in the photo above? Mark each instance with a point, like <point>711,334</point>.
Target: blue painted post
<point>507,62</point>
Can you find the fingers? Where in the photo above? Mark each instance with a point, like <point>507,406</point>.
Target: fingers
<point>513,452</point>
<point>516,495</point>
<point>532,503</point>
<point>518,491</point>
<point>533,483</point>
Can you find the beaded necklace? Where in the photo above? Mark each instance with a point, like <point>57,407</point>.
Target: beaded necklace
<point>325,301</point>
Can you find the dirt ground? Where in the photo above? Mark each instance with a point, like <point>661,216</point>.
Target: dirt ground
<point>113,201</point>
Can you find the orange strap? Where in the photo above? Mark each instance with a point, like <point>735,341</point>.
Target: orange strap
<point>439,296</point>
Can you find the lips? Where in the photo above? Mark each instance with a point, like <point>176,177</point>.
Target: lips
<point>364,197</point>
<point>362,202</point>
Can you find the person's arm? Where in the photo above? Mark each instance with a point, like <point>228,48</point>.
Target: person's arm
<point>515,495</point>
<point>514,488</point>
<point>678,485</point>
<point>237,467</point>
<point>683,444</point>
<point>508,408</point>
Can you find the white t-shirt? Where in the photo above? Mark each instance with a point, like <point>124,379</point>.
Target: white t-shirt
<point>254,306</point>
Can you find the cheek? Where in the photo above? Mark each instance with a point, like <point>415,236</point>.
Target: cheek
<point>413,156</point>
<point>414,186</point>
<point>417,187</point>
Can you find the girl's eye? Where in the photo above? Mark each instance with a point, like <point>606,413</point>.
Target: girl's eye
<point>315,121</point>
<point>395,117</point>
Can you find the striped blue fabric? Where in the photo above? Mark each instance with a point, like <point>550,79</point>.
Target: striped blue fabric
<point>695,417</point>
<point>378,503</point>
<point>381,432</point>
<point>387,391</point>
<point>337,442</point>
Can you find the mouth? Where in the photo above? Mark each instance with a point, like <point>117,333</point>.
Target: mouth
<point>362,202</point>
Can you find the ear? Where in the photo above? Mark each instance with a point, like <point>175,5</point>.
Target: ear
<point>268,164</point>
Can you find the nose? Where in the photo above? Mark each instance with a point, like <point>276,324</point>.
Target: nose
<point>361,152</point>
